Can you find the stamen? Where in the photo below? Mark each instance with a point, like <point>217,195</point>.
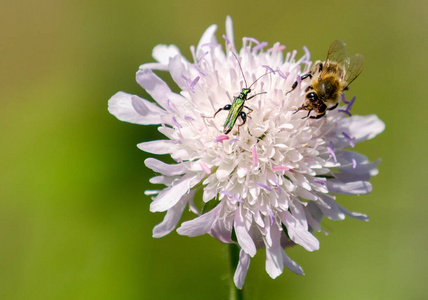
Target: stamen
<point>192,85</point>
<point>202,57</point>
<point>264,186</point>
<point>276,185</point>
<point>351,141</point>
<point>255,158</point>
<point>260,46</point>
<point>321,181</point>
<point>205,167</point>
<point>233,140</point>
<point>226,39</point>
<point>226,193</point>
<point>280,168</point>
<point>237,199</point>
<point>348,105</point>
<point>250,40</point>
<point>168,105</point>
<point>269,68</point>
<point>272,216</point>
<point>331,151</point>
<point>307,53</point>
<point>221,138</point>
<point>174,120</point>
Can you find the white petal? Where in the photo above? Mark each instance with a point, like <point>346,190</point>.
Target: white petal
<point>162,53</point>
<point>244,238</point>
<point>241,269</point>
<point>123,106</point>
<point>355,215</point>
<point>349,188</point>
<point>158,147</point>
<point>170,196</point>
<point>171,219</point>
<point>363,128</point>
<point>151,112</point>
<point>157,88</point>
<point>208,37</point>
<point>224,170</point>
<point>229,30</point>
<point>165,169</point>
<point>201,224</point>
<point>298,233</point>
<point>362,164</point>
<point>332,212</point>
<point>291,265</point>
<point>220,232</point>
<point>298,212</point>
<point>274,257</point>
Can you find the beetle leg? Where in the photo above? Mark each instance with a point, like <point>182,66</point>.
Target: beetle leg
<point>226,107</point>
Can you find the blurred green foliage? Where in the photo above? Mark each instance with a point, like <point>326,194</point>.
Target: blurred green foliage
<point>74,220</point>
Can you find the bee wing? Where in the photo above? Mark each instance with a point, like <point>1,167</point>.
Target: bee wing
<point>337,53</point>
<point>354,67</point>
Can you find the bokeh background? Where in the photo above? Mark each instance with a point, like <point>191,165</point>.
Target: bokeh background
<point>74,221</point>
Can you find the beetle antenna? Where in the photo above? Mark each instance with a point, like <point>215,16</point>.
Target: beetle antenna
<point>260,77</point>
<point>239,63</point>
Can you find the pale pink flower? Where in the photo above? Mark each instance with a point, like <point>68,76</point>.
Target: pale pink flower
<point>268,184</point>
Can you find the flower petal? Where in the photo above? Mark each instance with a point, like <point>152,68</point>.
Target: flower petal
<point>163,53</point>
<point>152,113</point>
<point>244,238</point>
<point>291,264</point>
<point>158,146</point>
<point>298,233</point>
<point>170,196</point>
<point>157,88</point>
<point>165,169</point>
<point>208,37</point>
<point>354,215</point>
<point>363,128</point>
<point>349,188</point>
<point>172,217</point>
<point>132,109</point>
<point>201,224</point>
<point>241,269</point>
<point>229,30</point>
<point>274,256</point>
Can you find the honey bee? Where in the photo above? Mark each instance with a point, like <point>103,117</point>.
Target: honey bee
<point>329,80</point>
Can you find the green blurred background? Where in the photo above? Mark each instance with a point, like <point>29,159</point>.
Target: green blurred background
<point>74,221</point>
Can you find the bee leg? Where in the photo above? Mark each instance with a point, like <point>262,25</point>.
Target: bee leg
<point>297,110</point>
<point>307,116</point>
<point>304,108</point>
<point>226,107</point>
<point>303,77</point>
<point>333,107</point>
<point>318,65</point>
<point>317,116</point>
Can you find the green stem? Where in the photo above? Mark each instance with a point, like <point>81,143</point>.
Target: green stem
<point>235,293</point>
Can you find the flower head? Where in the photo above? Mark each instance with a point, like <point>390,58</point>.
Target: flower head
<point>271,179</point>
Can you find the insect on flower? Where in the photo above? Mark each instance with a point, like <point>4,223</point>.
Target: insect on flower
<point>272,186</point>
<point>329,80</point>
<point>235,109</point>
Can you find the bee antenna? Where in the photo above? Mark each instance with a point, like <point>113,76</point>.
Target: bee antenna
<point>239,63</point>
